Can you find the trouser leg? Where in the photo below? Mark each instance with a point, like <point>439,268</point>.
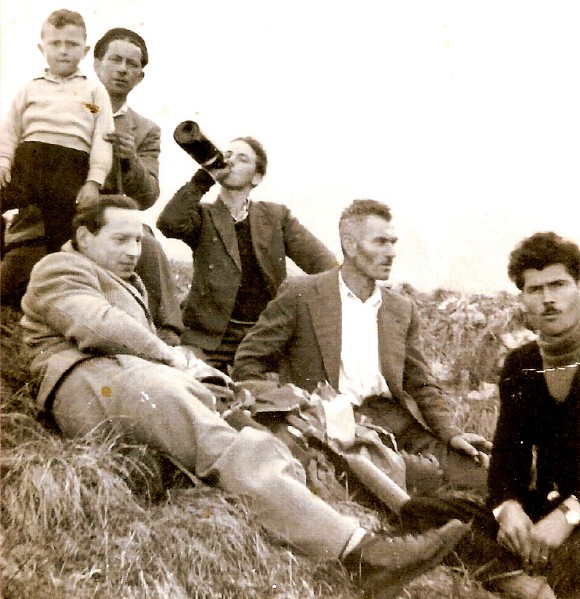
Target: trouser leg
<point>15,271</point>
<point>158,405</point>
<point>458,468</point>
<point>479,549</point>
<point>67,171</point>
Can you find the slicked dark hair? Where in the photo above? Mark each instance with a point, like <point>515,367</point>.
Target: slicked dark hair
<point>540,251</point>
<point>61,18</point>
<point>92,216</point>
<point>119,33</point>
<point>261,156</point>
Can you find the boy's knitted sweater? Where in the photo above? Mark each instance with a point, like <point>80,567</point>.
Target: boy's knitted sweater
<point>73,112</point>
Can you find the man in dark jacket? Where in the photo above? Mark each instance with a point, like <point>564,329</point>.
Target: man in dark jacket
<point>239,251</point>
<point>534,475</point>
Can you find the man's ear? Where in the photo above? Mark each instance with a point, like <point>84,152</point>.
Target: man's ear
<point>40,47</point>
<point>257,179</point>
<point>349,245</point>
<point>81,237</point>
<point>87,48</point>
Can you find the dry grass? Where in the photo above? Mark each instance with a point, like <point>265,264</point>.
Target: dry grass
<point>91,518</point>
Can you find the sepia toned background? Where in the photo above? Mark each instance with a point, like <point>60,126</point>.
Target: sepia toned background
<point>463,116</point>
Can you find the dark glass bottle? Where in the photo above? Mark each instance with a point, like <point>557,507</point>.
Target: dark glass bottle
<point>190,138</point>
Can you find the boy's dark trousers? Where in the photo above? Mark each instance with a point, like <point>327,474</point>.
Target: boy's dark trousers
<point>49,176</point>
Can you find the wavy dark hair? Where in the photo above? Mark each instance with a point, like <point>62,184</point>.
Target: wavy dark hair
<point>261,156</point>
<point>92,216</point>
<point>540,251</point>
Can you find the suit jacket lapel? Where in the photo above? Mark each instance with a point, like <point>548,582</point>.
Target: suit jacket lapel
<point>138,291</point>
<point>125,123</point>
<point>326,312</point>
<point>224,224</point>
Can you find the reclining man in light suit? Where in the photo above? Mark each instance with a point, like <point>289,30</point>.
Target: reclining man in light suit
<point>363,339</point>
<point>94,348</point>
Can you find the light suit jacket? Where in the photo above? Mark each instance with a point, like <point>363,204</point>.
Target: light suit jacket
<point>299,336</point>
<point>208,228</point>
<point>75,310</point>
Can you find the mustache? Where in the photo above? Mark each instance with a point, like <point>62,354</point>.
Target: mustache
<point>549,311</point>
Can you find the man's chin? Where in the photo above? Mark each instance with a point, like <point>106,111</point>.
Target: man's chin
<point>126,273</point>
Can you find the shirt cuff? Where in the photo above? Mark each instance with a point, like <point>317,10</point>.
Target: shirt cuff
<point>499,509</point>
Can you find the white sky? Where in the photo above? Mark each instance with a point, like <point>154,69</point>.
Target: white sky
<point>463,116</point>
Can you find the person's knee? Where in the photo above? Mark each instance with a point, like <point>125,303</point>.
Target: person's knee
<point>269,456</point>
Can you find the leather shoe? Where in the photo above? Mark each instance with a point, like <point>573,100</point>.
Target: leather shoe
<point>523,586</point>
<point>383,564</point>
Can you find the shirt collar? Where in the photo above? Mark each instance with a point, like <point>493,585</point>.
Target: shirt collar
<point>374,301</point>
<point>240,214</point>
<point>46,74</point>
<point>122,111</point>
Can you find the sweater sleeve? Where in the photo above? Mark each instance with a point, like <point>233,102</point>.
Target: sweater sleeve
<point>11,129</point>
<point>511,458</point>
<point>304,249</point>
<point>101,154</point>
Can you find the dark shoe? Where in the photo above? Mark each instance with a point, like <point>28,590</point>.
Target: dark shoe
<point>522,586</point>
<point>384,565</point>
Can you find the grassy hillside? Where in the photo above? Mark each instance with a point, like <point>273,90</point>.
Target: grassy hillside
<point>94,517</point>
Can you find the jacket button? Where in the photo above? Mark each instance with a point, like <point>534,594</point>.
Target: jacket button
<point>210,266</point>
<point>214,239</point>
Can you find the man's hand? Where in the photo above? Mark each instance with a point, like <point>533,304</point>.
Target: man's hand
<point>473,445</point>
<point>88,193</point>
<point>218,174</point>
<point>123,145</point>
<point>4,176</point>
<point>186,360</point>
<point>514,529</point>
<point>547,534</point>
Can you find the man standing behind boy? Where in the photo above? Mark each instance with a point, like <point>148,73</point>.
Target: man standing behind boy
<point>120,57</point>
<point>52,147</point>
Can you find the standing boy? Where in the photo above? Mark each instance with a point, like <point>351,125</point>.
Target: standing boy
<point>52,150</point>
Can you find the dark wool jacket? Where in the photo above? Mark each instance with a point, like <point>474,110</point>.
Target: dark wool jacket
<point>208,229</point>
<point>532,422</point>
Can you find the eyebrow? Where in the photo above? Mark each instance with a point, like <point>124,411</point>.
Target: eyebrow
<point>546,284</point>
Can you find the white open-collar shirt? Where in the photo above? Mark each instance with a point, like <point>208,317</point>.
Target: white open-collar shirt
<point>360,373</point>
